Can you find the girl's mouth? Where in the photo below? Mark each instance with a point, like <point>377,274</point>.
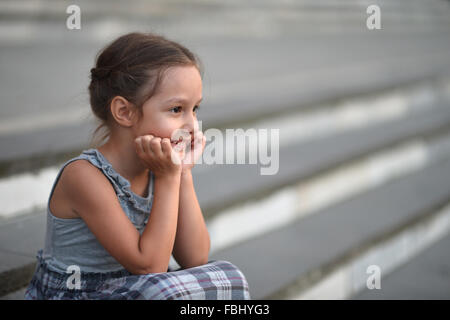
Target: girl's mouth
<point>176,142</point>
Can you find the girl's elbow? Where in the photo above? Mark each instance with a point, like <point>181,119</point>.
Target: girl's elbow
<point>144,267</point>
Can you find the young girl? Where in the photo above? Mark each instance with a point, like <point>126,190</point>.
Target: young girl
<point>119,211</point>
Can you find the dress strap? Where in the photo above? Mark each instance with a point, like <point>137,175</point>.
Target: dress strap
<point>121,185</point>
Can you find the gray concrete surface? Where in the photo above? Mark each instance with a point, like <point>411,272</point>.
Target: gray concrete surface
<point>16,295</point>
<point>247,74</point>
<point>281,256</point>
<point>425,277</point>
<point>302,160</point>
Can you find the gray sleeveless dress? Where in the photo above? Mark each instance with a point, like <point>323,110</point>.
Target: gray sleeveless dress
<point>74,265</point>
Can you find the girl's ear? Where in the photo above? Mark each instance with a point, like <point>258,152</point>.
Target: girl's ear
<point>123,111</point>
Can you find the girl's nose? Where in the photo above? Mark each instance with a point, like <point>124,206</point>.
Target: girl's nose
<point>191,124</point>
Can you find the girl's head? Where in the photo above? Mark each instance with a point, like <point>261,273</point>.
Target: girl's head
<point>143,83</point>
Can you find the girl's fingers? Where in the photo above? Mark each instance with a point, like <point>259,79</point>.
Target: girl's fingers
<point>144,143</point>
<point>176,153</point>
<point>166,146</point>
<point>146,140</point>
<point>138,146</point>
<point>155,146</point>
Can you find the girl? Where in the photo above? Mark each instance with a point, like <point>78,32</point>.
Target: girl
<point>121,210</point>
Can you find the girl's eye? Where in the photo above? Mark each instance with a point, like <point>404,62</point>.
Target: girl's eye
<point>175,108</point>
<point>179,109</point>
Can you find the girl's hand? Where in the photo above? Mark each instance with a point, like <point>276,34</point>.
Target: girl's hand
<point>158,155</point>
<point>193,151</point>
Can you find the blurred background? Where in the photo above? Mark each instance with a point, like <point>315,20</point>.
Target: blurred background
<point>360,205</point>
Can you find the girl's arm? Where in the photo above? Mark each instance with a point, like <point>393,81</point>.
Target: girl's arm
<point>92,197</point>
<point>192,242</point>
<point>157,239</point>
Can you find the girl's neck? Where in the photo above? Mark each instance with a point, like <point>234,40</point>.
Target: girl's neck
<point>124,160</point>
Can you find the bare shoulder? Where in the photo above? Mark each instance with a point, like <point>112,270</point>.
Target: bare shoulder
<point>82,183</point>
<point>60,204</point>
<point>80,171</point>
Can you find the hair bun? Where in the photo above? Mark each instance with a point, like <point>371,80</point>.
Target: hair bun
<point>100,73</point>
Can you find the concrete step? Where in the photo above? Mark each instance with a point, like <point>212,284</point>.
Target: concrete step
<point>236,104</point>
<point>425,276</point>
<point>302,160</point>
<point>305,69</point>
<point>44,21</point>
<point>16,295</point>
<point>20,240</point>
<point>326,11</point>
<point>285,263</point>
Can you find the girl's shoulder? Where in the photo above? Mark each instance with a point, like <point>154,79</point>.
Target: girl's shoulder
<point>78,177</point>
<point>81,173</point>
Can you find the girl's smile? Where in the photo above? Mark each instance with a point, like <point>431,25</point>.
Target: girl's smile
<point>180,90</point>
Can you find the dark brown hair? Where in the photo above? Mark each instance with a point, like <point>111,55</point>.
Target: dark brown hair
<point>133,66</point>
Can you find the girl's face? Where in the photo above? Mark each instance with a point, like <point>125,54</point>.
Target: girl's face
<point>175,105</point>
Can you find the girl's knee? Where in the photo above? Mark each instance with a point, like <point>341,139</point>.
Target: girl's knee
<point>229,268</point>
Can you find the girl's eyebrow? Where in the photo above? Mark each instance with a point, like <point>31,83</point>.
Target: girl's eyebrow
<point>179,99</point>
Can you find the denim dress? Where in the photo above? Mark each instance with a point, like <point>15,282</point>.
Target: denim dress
<point>74,265</point>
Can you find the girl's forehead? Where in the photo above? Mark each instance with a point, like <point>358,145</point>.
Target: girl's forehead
<point>181,75</point>
<point>181,81</point>
<point>180,99</point>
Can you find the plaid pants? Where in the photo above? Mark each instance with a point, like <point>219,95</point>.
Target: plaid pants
<point>216,280</point>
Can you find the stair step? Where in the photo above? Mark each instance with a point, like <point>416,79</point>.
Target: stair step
<point>425,276</point>
<point>305,159</point>
<point>320,77</point>
<point>279,258</point>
